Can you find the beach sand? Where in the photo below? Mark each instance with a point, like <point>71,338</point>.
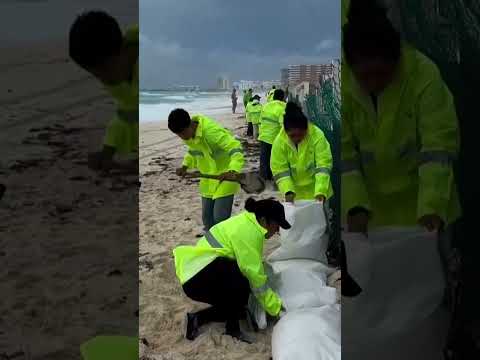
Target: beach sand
<point>170,215</point>
<point>65,271</point>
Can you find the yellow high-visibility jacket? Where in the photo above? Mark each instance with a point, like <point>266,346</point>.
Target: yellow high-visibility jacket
<point>304,171</point>
<point>239,238</point>
<point>214,151</point>
<point>398,162</point>
<point>122,131</point>
<point>271,120</point>
<point>110,348</point>
<point>254,111</point>
<point>270,95</point>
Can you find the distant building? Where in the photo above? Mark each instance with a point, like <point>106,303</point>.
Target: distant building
<point>284,77</point>
<point>223,83</point>
<point>310,73</point>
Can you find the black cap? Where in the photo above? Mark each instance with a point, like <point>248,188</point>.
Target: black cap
<point>278,215</point>
<point>256,97</point>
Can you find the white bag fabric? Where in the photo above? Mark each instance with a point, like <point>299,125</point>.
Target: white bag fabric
<point>302,284</point>
<point>402,281</point>
<point>299,283</point>
<point>308,237</point>
<point>308,334</point>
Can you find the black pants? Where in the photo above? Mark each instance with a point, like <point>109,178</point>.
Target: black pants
<point>249,129</point>
<point>222,285</point>
<point>265,153</point>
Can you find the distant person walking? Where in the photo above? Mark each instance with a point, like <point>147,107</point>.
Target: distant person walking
<point>234,100</point>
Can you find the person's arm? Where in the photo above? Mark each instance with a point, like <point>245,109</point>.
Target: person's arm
<point>189,161</point>
<point>438,129</point>
<point>353,188</point>
<point>225,141</point>
<point>281,169</point>
<point>323,167</point>
<point>248,253</point>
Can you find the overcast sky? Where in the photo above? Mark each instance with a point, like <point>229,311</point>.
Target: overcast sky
<point>193,41</point>
<point>30,21</point>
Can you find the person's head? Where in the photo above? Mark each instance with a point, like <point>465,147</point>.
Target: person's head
<point>250,90</point>
<point>256,97</point>
<point>295,123</point>
<point>274,87</point>
<point>270,215</point>
<point>371,45</point>
<point>180,123</point>
<point>279,94</point>
<point>95,44</point>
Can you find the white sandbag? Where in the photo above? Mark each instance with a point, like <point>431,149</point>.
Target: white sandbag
<point>302,284</point>
<point>400,273</point>
<point>308,237</point>
<point>299,283</point>
<point>308,334</point>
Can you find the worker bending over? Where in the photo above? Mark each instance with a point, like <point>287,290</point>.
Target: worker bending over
<point>301,158</point>
<point>399,131</point>
<point>212,150</point>
<point>96,44</point>
<point>226,265</point>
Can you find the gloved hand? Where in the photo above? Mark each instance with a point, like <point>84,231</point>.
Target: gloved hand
<point>357,220</point>
<point>290,197</point>
<point>431,222</point>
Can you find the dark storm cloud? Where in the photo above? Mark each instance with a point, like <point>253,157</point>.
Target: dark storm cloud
<point>184,41</point>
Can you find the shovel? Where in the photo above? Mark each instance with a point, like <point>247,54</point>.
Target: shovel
<point>250,182</point>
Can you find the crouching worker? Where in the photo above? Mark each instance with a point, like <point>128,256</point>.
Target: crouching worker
<point>301,159</point>
<point>212,150</point>
<point>97,44</point>
<point>226,265</point>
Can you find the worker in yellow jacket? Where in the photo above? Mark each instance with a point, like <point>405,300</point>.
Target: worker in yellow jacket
<point>399,130</point>
<point>254,111</point>
<point>226,265</point>
<point>96,44</point>
<point>270,93</point>
<point>301,159</point>
<point>271,122</point>
<point>212,150</point>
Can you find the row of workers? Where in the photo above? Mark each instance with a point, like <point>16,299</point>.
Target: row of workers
<point>226,265</point>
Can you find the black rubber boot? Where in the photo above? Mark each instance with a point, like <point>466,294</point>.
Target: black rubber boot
<point>191,326</point>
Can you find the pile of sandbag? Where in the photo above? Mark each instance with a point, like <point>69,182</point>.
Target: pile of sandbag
<point>297,271</point>
<point>398,315</point>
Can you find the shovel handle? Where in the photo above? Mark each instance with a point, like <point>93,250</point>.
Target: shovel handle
<point>197,174</point>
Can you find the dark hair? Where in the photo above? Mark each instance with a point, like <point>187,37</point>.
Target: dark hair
<point>261,208</point>
<point>178,120</point>
<point>294,117</point>
<point>279,94</point>
<point>94,37</point>
<point>369,33</point>
<point>274,87</point>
